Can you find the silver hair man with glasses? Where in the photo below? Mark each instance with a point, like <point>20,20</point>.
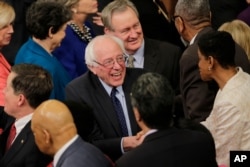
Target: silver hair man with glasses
<point>106,87</point>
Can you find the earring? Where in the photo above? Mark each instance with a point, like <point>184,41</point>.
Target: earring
<point>209,68</point>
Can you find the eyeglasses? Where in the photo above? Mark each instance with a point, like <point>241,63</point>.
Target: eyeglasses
<point>109,63</point>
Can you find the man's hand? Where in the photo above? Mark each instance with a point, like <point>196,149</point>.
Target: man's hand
<point>131,142</point>
<point>97,19</point>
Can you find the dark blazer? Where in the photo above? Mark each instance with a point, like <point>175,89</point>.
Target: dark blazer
<point>106,134</point>
<point>81,153</point>
<point>163,57</point>
<point>172,148</point>
<point>23,152</point>
<point>197,95</point>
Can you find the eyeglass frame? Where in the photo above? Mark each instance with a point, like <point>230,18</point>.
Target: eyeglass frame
<point>112,62</point>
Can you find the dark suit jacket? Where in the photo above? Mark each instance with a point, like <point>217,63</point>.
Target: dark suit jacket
<point>172,148</point>
<point>106,134</point>
<point>23,152</point>
<point>197,95</point>
<point>163,58</point>
<point>81,153</point>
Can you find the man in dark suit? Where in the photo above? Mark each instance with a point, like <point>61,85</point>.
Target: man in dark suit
<point>152,99</point>
<point>106,62</point>
<point>121,18</point>
<point>27,86</point>
<point>56,135</point>
<point>192,19</point>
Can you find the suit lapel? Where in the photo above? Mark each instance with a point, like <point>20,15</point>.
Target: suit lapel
<point>105,103</point>
<point>19,142</point>
<point>127,85</point>
<point>150,57</point>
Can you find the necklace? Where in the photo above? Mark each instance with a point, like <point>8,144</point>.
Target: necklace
<point>85,35</point>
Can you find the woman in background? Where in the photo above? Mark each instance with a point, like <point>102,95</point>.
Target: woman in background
<point>7,16</point>
<point>46,22</point>
<point>71,53</point>
<point>229,120</point>
<point>240,32</point>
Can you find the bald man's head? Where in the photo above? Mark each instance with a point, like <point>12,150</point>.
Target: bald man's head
<point>52,125</point>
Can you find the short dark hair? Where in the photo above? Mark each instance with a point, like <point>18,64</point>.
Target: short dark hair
<point>220,45</point>
<point>33,81</point>
<point>153,96</point>
<point>42,15</point>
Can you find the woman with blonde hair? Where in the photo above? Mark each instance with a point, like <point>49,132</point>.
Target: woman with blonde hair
<point>79,33</point>
<point>7,16</point>
<point>240,32</point>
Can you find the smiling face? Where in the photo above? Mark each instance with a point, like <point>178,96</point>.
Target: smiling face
<point>127,27</point>
<point>205,67</point>
<point>107,50</point>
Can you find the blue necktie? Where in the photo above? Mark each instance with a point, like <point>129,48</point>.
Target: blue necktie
<point>119,112</point>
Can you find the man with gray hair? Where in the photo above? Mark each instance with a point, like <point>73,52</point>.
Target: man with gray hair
<point>121,19</point>
<point>192,19</point>
<point>106,87</point>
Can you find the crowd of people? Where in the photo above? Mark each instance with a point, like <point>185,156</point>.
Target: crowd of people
<point>72,95</point>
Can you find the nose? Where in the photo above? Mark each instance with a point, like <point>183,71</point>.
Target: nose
<point>133,33</point>
<point>10,28</point>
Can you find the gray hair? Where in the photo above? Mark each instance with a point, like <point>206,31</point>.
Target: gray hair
<point>193,11</point>
<point>90,55</point>
<point>116,6</point>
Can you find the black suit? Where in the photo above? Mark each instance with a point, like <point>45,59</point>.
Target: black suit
<point>23,152</point>
<point>197,95</point>
<point>163,58</point>
<point>172,148</point>
<point>107,134</point>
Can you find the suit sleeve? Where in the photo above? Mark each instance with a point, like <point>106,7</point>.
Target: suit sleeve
<point>198,96</point>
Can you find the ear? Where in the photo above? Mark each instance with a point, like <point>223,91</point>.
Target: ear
<point>181,25</point>
<point>50,32</point>
<point>47,136</point>
<point>107,31</point>
<point>21,99</point>
<point>74,10</point>
<point>211,61</point>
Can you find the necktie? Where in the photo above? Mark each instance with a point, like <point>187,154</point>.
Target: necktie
<point>131,61</point>
<point>11,136</point>
<point>50,164</point>
<point>119,112</point>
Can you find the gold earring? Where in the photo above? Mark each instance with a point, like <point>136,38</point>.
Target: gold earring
<point>209,68</point>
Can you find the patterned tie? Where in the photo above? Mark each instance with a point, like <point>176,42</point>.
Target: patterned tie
<point>119,112</point>
<point>11,136</point>
<point>131,60</point>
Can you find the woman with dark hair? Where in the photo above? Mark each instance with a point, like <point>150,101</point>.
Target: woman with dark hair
<point>229,120</point>
<point>46,22</point>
